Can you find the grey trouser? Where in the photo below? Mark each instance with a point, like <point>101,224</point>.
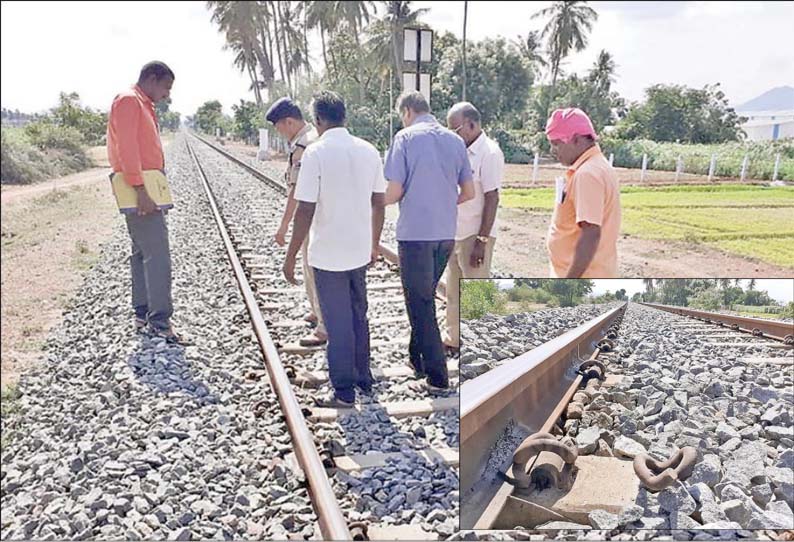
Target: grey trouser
<point>150,264</point>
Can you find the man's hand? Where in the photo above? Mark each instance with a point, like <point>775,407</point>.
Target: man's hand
<point>477,254</point>
<point>146,205</point>
<point>374,256</point>
<point>281,236</point>
<point>289,269</point>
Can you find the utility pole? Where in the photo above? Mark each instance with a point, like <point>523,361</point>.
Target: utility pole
<point>465,16</point>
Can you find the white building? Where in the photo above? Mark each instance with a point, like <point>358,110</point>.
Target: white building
<point>768,125</point>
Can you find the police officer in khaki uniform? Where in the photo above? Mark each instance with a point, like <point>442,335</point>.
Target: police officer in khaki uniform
<point>287,118</point>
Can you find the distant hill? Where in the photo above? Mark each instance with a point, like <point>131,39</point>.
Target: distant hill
<point>771,100</point>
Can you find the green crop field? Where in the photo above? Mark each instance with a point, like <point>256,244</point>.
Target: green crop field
<point>752,221</point>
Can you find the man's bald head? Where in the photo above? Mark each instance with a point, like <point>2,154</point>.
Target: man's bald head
<point>464,111</point>
<point>464,119</point>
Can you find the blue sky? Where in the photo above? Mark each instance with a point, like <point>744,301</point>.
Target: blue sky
<point>96,48</point>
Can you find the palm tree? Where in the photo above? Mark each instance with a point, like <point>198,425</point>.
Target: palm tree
<point>238,20</point>
<point>751,285</point>
<point>566,31</point>
<point>387,35</point>
<point>529,47</point>
<point>603,72</point>
<point>355,14</point>
<point>322,14</point>
<point>724,283</point>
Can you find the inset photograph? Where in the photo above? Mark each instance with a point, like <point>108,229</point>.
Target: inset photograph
<point>626,404</point>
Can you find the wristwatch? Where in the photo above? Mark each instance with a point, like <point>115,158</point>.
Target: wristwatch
<point>482,239</point>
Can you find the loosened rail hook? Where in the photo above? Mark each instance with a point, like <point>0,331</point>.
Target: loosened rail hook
<point>657,475</point>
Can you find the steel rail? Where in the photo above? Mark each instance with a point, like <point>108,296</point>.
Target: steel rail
<point>329,514</point>
<point>776,330</point>
<point>533,390</point>
<point>389,254</point>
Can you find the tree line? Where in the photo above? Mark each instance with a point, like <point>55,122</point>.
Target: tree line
<point>514,82</point>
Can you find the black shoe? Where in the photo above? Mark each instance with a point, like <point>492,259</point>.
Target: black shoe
<point>418,373</point>
<point>435,387</point>
<point>331,400</point>
<point>366,388</point>
<point>140,324</point>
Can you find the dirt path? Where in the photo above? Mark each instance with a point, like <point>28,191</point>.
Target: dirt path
<point>88,177</point>
<point>51,234</point>
<point>521,251</point>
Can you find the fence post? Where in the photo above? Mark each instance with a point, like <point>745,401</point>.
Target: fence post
<point>744,168</point>
<point>644,165</point>
<point>535,167</point>
<point>677,168</point>
<point>777,164</point>
<point>712,165</point>
<point>611,158</point>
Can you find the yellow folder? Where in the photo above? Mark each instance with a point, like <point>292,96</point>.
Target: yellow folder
<point>156,186</point>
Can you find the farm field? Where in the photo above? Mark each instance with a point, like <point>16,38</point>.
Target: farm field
<point>520,176</point>
<point>746,220</point>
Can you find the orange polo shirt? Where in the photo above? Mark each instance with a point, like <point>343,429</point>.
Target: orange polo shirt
<point>592,195</point>
<point>134,136</point>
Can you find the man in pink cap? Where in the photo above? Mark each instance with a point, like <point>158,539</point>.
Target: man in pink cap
<point>583,234</point>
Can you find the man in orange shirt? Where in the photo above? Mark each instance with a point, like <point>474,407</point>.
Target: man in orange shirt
<point>133,143</point>
<point>583,235</point>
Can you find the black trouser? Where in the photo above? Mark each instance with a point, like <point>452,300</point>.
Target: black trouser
<point>421,265</point>
<point>343,301</point>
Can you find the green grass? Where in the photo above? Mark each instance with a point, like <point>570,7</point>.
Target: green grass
<point>766,315</point>
<point>753,221</point>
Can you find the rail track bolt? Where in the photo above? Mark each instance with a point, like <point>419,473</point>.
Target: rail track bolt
<point>658,475</point>
<point>593,369</point>
<point>612,335</point>
<point>757,332</point>
<point>358,530</point>
<point>328,459</point>
<point>605,345</point>
<point>735,327</point>
<point>334,447</point>
<point>290,371</point>
<point>788,339</point>
<point>549,470</point>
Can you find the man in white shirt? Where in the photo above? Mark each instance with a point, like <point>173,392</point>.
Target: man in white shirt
<point>340,194</point>
<point>475,234</point>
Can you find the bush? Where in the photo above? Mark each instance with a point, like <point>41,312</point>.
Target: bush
<point>707,300</point>
<point>478,298</point>
<point>515,152</point>
<point>696,158</point>
<point>523,294</point>
<point>41,151</point>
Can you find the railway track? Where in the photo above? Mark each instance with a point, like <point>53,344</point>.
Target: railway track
<point>357,462</point>
<point>646,417</point>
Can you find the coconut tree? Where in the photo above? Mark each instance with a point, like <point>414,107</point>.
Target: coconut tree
<point>603,72</point>
<point>530,48</point>
<point>398,16</point>
<point>566,32</point>
<point>238,21</point>
<point>323,16</point>
<point>356,14</point>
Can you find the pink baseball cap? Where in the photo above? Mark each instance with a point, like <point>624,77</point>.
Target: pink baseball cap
<point>563,124</point>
